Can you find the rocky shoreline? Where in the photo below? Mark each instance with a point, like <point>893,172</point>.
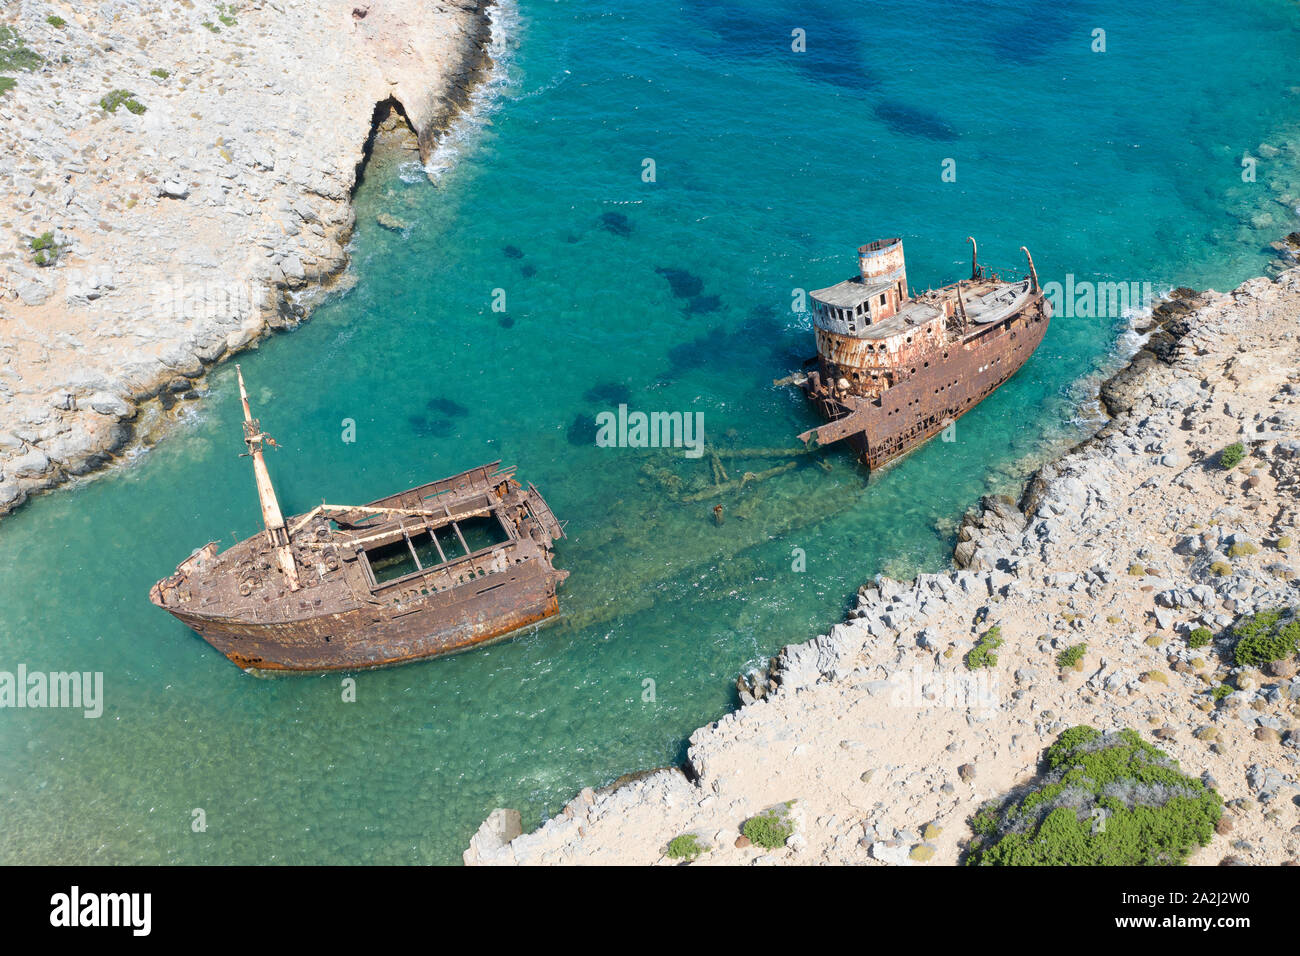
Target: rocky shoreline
<point>192,195</point>
<point>880,739</point>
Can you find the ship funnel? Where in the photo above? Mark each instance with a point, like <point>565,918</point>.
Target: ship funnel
<point>882,261</point>
<point>1033,273</point>
<point>276,535</point>
<point>974,259</point>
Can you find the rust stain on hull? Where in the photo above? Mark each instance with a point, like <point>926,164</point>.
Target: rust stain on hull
<point>893,370</point>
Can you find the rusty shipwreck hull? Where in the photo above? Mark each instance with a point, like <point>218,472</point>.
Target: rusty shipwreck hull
<point>365,598</point>
<point>922,405</point>
<point>437,569</point>
<point>428,626</point>
<point>893,370</point>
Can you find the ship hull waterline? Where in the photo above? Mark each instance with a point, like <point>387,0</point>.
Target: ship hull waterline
<point>372,637</point>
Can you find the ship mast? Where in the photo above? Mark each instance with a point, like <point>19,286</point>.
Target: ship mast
<point>276,535</point>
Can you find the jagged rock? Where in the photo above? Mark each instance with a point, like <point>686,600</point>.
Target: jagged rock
<point>491,840</point>
<point>106,403</point>
<point>895,855</point>
<point>30,465</point>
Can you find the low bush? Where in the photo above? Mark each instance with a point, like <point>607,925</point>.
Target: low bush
<point>113,99</point>
<point>769,829</point>
<point>45,250</point>
<point>1265,637</point>
<point>686,847</point>
<point>1232,456</point>
<point>15,54</point>
<point>1200,637</point>
<point>1071,656</point>
<point>1102,799</point>
<point>982,654</point>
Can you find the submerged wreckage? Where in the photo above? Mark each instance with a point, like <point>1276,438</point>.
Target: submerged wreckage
<point>437,569</point>
<point>892,370</point>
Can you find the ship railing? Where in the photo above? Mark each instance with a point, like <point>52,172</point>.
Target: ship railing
<point>482,477</point>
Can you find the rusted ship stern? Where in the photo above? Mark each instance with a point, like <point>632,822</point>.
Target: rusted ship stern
<point>893,370</point>
<point>437,569</point>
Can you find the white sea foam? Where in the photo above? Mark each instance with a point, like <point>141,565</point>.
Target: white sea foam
<point>484,99</point>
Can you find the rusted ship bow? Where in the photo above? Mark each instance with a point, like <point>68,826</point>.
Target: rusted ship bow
<point>437,569</point>
<point>893,370</point>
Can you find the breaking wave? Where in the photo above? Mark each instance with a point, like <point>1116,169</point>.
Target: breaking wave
<point>503,21</point>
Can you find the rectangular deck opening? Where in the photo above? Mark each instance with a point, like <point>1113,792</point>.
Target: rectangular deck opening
<point>450,543</point>
<point>391,561</point>
<point>426,550</point>
<point>483,531</point>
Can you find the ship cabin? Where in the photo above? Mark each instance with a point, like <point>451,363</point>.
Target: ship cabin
<point>870,333</point>
<point>876,293</point>
<point>849,307</point>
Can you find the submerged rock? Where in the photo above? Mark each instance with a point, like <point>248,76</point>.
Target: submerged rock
<point>392,223</point>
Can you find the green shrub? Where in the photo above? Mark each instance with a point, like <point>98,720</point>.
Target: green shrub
<point>1232,456</point>
<point>1242,549</point>
<point>226,13</point>
<point>112,100</point>
<point>159,72</point>
<point>770,829</point>
<point>985,820</point>
<point>1220,568</point>
<point>56,21</point>
<point>7,83</point>
<point>981,654</point>
<point>1220,692</point>
<point>686,847</point>
<point>1136,569</point>
<point>15,54</point>
<point>1071,655</point>
<point>1199,637</point>
<point>1103,799</point>
<point>1283,543</point>
<point>45,251</point>
<point>1263,637</point>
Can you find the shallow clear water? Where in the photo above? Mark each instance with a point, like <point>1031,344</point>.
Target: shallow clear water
<point>771,167</point>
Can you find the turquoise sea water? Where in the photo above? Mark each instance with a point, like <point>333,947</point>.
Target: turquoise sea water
<point>770,168</point>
